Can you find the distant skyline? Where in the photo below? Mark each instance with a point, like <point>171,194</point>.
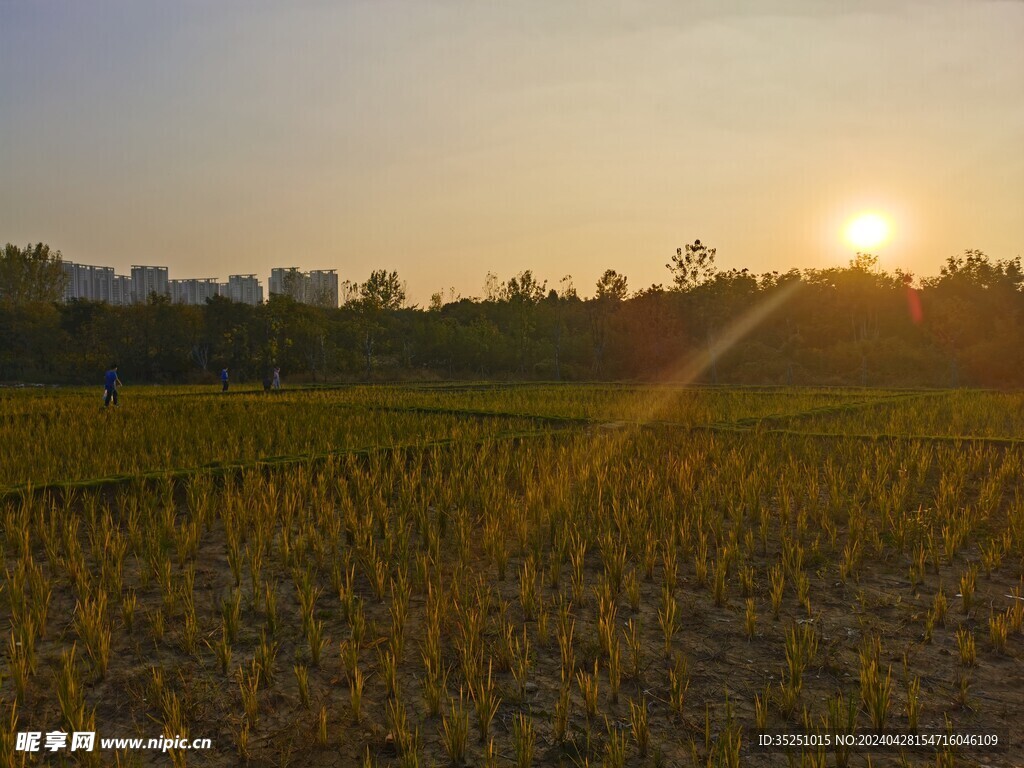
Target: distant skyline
<point>449,139</point>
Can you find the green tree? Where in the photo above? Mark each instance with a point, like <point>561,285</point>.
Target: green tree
<point>522,293</point>
<point>307,329</point>
<point>33,343</point>
<point>233,332</point>
<point>559,305</point>
<point>382,293</point>
<point>612,287</point>
<point>294,284</point>
<point>975,311</point>
<point>692,266</point>
<point>29,274</point>
<point>84,321</point>
<point>714,305</point>
<point>612,290</point>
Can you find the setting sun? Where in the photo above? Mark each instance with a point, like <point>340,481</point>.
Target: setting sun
<point>867,230</point>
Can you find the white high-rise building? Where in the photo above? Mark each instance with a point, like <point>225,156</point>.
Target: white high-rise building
<point>149,280</point>
<point>322,288</point>
<point>318,286</point>
<point>287,281</point>
<point>194,291</point>
<point>245,289</point>
<point>88,282</point>
<point>121,294</point>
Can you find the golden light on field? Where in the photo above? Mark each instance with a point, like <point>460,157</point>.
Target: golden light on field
<point>867,230</point>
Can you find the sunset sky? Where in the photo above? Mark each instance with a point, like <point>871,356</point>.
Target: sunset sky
<point>446,139</point>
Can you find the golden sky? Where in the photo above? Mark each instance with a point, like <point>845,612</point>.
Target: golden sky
<point>446,139</point>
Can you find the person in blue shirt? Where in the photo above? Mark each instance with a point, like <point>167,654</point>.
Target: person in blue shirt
<point>110,385</point>
<point>224,380</point>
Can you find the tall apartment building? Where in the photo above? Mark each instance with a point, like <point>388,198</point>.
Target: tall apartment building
<point>318,286</point>
<point>147,280</point>
<point>194,291</point>
<point>322,288</point>
<point>122,290</point>
<point>85,281</point>
<point>286,281</point>
<point>243,288</point>
<point>88,282</point>
<point>101,284</point>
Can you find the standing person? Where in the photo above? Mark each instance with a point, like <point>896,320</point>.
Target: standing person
<point>277,379</point>
<point>110,385</point>
<point>224,379</point>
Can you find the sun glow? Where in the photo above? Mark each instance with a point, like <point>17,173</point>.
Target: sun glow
<point>868,230</point>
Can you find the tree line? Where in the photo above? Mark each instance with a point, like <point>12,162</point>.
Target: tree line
<point>852,325</point>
